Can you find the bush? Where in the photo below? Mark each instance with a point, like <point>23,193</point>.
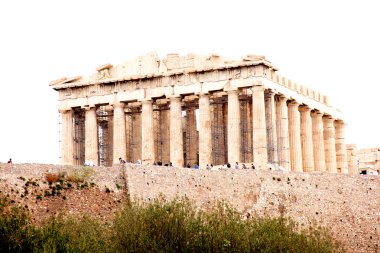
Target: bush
<point>160,226</point>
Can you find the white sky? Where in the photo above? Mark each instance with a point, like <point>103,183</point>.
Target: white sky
<point>330,46</point>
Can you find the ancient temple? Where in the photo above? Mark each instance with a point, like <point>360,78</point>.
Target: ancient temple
<point>198,110</point>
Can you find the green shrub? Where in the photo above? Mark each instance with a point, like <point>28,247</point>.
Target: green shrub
<point>160,226</point>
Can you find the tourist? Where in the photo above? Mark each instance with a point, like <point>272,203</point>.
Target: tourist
<point>228,165</point>
<point>236,165</point>
<point>208,167</point>
<point>252,166</point>
<point>121,161</point>
<point>10,161</point>
<point>244,167</point>
<point>196,166</point>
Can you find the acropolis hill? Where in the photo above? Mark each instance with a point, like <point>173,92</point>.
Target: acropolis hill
<point>199,110</point>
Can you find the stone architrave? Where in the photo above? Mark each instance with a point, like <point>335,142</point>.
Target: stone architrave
<point>205,141</point>
<point>306,139</point>
<point>260,153</point>
<point>340,147</point>
<point>233,127</point>
<point>282,127</point>
<point>91,136</point>
<point>295,137</point>
<point>329,141</point>
<point>67,143</point>
<point>147,134</point>
<point>119,133</point>
<point>318,142</point>
<point>270,118</point>
<point>176,140</point>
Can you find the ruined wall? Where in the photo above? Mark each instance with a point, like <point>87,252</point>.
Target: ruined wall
<point>348,204</point>
<point>369,158</point>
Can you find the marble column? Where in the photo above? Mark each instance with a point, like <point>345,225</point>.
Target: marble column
<point>282,127</point>
<point>119,133</point>
<point>205,141</point>
<point>67,144</point>
<point>352,159</point>
<point>270,119</point>
<point>91,136</point>
<point>329,142</point>
<point>260,153</point>
<point>191,135</point>
<point>306,139</point>
<point>318,142</point>
<point>295,137</point>
<point>233,127</point>
<point>176,139</point>
<point>340,147</point>
<point>147,134</point>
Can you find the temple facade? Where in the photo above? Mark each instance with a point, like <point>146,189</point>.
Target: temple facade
<point>192,109</point>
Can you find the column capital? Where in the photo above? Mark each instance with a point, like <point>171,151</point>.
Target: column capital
<point>118,104</point>
<point>316,113</point>
<point>66,110</point>
<point>327,118</point>
<point>304,108</point>
<point>257,88</point>
<point>89,108</point>
<point>232,92</point>
<point>281,97</point>
<point>269,93</point>
<point>339,122</point>
<point>293,103</point>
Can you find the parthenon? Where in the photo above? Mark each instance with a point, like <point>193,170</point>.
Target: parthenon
<point>199,110</point>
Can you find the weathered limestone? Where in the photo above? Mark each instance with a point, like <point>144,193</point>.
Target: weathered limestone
<point>67,156</point>
<point>176,140</point>
<point>233,129</point>
<point>147,146</point>
<point>136,145</point>
<point>318,141</point>
<point>295,137</point>
<point>270,121</point>
<point>329,143</point>
<point>205,141</point>
<point>260,154</point>
<point>91,136</point>
<point>340,147</point>
<point>282,128</point>
<point>306,139</point>
<point>119,133</point>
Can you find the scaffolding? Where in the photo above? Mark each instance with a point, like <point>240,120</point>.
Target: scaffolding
<point>133,125</point>
<point>161,133</point>
<point>105,136</point>
<point>219,129</point>
<point>246,149</point>
<point>190,140</point>
<point>78,136</point>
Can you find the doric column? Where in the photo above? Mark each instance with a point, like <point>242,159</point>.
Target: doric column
<point>119,133</point>
<point>340,147</point>
<point>295,137</point>
<point>329,142</point>
<point>270,119</point>
<point>352,158</point>
<point>205,142</point>
<point>318,142</point>
<point>306,139</point>
<point>147,134</point>
<point>233,127</point>
<point>260,153</point>
<point>176,136</point>
<point>191,135</point>
<point>282,127</point>
<point>91,136</point>
<point>67,156</point>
